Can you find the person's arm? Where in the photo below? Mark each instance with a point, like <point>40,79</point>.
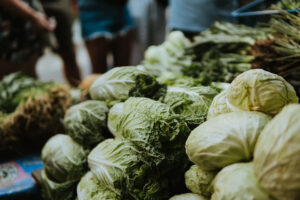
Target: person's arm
<point>19,7</point>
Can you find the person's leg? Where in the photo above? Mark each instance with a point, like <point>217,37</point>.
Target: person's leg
<point>98,49</point>
<point>60,9</point>
<point>122,49</point>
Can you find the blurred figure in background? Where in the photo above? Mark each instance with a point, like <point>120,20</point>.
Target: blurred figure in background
<point>61,11</point>
<point>150,20</point>
<point>106,27</point>
<point>194,16</point>
<point>22,35</point>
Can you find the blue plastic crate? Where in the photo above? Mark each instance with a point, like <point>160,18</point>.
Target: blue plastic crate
<point>257,11</point>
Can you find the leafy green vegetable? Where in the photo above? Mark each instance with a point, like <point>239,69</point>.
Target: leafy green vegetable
<point>126,170</point>
<point>238,182</point>
<point>121,82</point>
<point>187,196</point>
<point>288,4</point>
<point>225,139</point>
<point>277,155</point>
<point>189,103</point>
<point>11,86</point>
<point>89,188</point>
<point>153,126</point>
<point>259,90</point>
<point>86,122</point>
<point>64,160</point>
<point>30,112</point>
<point>52,190</point>
<point>198,180</point>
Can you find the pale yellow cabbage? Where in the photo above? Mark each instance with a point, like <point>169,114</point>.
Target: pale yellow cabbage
<point>198,180</point>
<point>225,139</point>
<point>218,106</point>
<point>238,182</point>
<point>277,155</point>
<point>259,90</point>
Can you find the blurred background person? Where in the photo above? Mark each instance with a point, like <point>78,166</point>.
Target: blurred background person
<point>194,16</point>
<point>107,27</point>
<point>150,20</point>
<point>61,11</point>
<point>22,35</point>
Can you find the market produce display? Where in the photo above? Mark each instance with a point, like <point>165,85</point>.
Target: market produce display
<point>193,122</point>
<point>30,112</point>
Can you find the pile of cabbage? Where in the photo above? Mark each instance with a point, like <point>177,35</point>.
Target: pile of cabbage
<point>249,146</point>
<point>144,140</point>
<point>127,141</point>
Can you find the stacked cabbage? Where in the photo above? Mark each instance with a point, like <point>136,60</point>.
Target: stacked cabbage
<point>241,153</point>
<point>125,143</point>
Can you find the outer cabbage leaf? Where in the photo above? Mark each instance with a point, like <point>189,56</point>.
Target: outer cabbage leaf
<point>153,126</point>
<point>89,188</point>
<point>277,155</point>
<point>126,170</point>
<point>57,191</point>
<point>64,159</point>
<point>121,82</point>
<point>198,180</point>
<point>219,106</point>
<point>86,122</point>
<point>238,182</point>
<point>225,139</point>
<point>189,103</point>
<point>259,90</point>
<point>114,115</point>
<point>187,196</point>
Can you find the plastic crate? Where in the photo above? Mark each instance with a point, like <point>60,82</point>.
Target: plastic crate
<point>256,12</point>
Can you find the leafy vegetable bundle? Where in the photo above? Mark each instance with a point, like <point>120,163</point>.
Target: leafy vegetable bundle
<point>281,54</point>
<point>218,54</point>
<point>30,112</point>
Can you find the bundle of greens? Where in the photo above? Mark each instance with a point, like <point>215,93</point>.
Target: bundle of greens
<point>30,111</point>
<point>288,4</point>
<point>218,54</point>
<point>281,55</point>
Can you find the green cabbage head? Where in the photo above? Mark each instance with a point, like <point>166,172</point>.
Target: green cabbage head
<point>277,155</point>
<point>218,106</point>
<point>125,170</point>
<point>225,139</point>
<point>187,196</point>
<point>189,103</point>
<point>52,190</point>
<point>151,125</point>
<point>259,90</point>
<point>198,180</point>
<point>89,188</point>
<point>86,122</point>
<point>64,159</point>
<point>238,182</point>
<point>121,82</point>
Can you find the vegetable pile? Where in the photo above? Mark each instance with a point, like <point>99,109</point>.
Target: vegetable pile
<point>194,122</point>
<point>30,112</point>
<point>141,148</point>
